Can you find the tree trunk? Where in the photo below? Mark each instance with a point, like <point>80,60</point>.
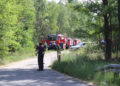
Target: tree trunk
<point>107,33</point>
<point>119,12</point>
<point>118,46</point>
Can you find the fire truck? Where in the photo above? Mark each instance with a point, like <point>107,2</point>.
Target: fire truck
<point>69,42</point>
<point>54,40</point>
<point>65,42</point>
<point>76,41</point>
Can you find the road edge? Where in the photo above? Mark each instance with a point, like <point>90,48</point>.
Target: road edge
<point>86,82</point>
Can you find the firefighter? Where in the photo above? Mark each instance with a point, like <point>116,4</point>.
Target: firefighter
<point>41,51</point>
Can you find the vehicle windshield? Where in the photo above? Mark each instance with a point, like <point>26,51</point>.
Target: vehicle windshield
<point>52,38</point>
<point>80,44</point>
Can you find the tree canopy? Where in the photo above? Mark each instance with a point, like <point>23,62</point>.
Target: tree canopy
<point>24,23</point>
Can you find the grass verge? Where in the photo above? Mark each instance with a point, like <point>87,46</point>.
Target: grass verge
<point>82,64</point>
<point>17,56</point>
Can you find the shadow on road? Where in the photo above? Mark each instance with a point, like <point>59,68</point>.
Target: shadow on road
<point>32,77</point>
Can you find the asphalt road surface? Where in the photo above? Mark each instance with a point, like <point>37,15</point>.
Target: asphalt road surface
<point>24,73</point>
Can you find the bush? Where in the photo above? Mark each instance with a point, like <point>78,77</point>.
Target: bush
<point>23,53</point>
<point>82,64</point>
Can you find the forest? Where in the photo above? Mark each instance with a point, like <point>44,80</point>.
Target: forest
<point>24,23</point>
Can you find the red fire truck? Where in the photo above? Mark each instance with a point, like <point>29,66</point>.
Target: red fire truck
<point>69,42</point>
<point>76,41</point>
<point>65,42</point>
<point>53,40</point>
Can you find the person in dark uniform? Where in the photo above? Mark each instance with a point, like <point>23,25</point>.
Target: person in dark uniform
<point>41,50</point>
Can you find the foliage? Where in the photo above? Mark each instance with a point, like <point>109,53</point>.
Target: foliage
<point>16,25</point>
<point>24,23</point>
<point>96,29</point>
<point>51,18</point>
<point>17,56</point>
<point>83,63</point>
<point>63,20</point>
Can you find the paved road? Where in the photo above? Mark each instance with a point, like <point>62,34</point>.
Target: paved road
<point>24,73</point>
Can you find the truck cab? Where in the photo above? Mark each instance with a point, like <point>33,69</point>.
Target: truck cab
<point>54,40</point>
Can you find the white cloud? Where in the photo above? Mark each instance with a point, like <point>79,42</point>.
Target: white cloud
<point>54,0</point>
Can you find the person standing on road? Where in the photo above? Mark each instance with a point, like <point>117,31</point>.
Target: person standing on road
<point>41,51</point>
<point>59,53</point>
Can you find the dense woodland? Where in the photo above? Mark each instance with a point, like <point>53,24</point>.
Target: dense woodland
<point>24,23</point>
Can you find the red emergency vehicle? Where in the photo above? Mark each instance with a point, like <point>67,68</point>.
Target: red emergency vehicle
<point>65,42</point>
<point>76,41</point>
<point>69,42</point>
<point>54,40</point>
<point>43,41</point>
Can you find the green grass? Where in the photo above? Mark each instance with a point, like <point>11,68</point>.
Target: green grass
<point>20,55</point>
<point>82,64</point>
